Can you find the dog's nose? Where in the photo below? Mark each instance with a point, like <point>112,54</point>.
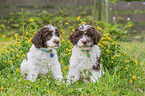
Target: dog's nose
<point>84,42</point>
<point>56,41</point>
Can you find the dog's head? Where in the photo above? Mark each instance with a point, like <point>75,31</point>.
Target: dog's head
<point>48,36</point>
<point>85,36</point>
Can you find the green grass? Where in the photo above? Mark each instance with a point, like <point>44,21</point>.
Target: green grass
<point>137,50</point>
<point>4,42</point>
<point>110,85</point>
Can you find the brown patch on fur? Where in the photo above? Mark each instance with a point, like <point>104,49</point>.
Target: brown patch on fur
<point>97,66</point>
<point>75,36</point>
<point>94,35</point>
<point>40,38</point>
<point>91,32</point>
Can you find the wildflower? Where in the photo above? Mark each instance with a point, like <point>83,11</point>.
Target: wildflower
<point>108,51</point>
<point>109,38</point>
<point>112,57</point>
<point>106,34</point>
<point>48,91</point>
<point>66,23</point>
<point>112,61</point>
<point>17,70</point>
<point>125,53</point>
<point>128,47</point>
<point>118,55</point>
<point>99,28</point>
<point>78,18</point>
<point>134,77</point>
<point>136,62</point>
<point>73,30</point>
<point>126,68</point>
<point>125,61</point>
<point>3,36</point>
<point>130,80</point>
<point>47,83</point>
<point>60,22</point>
<point>16,35</point>
<point>31,20</point>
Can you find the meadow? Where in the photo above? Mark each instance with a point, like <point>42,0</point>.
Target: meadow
<point>123,63</point>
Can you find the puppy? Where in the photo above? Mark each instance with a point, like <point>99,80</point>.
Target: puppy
<point>85,60</point>
<point>42,56</point>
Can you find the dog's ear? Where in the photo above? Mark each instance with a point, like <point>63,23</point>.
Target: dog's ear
<point>96,35</point>
<point>72,36</point>
<point>37,39</point>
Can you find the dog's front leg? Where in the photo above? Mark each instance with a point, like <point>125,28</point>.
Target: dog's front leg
<point>56,71</point>
<point>73,74</point>
<point>32,76</point>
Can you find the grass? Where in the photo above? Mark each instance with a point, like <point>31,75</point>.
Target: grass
<point>137,50</point>
<point>112,85</point>
<point>4,42</point>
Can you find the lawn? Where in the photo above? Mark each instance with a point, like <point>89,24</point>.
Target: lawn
<point>112,85</point>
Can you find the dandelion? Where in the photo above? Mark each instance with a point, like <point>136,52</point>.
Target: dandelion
<point>130,80</point>
<point>128,47</point>
<point>125,53</point>
<point>112,61</point>
<point>134,77</point>
<point>31,20</point>
<point>78,18</point>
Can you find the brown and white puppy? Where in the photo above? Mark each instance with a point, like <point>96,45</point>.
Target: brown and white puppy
<point>85,60</point>
<point>42,56</point>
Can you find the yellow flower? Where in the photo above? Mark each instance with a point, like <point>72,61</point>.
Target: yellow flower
<point>16,35</point>
<point>128,47</point>
<point>136,62</point>
<point>66,23</point>
<point>3,36</point>
<point>112,58</point>
<point>73,30</point>
<point>99,28</point>
<point>118,55</point>
<point>48,91</point>
<point>125,61</point>
<point>106,34</point>
<point>112,61</point>
<point>134,77</point>
<point>78,18</point>
<point>47,83</point>
<point>60,22</point>
<point>126,68</point>
<point>31,20</point>
<point>17,70</point>
<point>10,61</point>
<point>125,53</point>
<point>108,51</point>
<point>130,80</point>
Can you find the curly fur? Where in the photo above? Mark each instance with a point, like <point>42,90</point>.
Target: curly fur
<point>39,62</point>
<point>85,40</point>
